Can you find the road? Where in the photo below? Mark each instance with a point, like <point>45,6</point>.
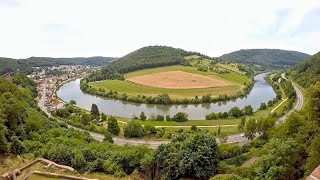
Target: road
<point>236,138</point>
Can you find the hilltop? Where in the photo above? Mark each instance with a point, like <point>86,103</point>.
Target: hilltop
<point>149,57</point>
<point>267,58</point>
<point>307,72</point>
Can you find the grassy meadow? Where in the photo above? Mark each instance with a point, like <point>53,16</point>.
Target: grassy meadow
<point>134,89</point>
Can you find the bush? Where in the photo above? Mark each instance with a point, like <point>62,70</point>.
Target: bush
<point>133,129</point>
<point>180,117</point>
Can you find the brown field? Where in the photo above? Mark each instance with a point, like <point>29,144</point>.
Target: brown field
<point>178,80</point>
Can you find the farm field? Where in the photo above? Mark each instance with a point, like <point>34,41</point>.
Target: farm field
<point>232,83</point>
<point>178,80</point>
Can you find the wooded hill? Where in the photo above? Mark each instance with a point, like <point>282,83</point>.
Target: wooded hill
<point>149,57</point>
<point>307,72</point>
<point>267,58</point>
<point>48,61</point>
<point>24,65</point>
<point>8,65</point>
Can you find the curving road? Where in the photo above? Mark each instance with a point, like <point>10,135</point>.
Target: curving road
<point>239,138</point>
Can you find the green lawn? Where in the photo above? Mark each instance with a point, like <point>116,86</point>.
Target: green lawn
<point>224,130</point>
<point>234,77</point>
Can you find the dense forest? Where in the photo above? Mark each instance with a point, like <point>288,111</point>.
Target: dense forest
<point>148,57</point>
<point>8,65</point>
<point>307,72</point>
<point>267,58</point>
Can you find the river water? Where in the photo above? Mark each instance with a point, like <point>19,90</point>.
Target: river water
<point>261,92</point>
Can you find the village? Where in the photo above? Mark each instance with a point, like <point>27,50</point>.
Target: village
<point>49,79</point>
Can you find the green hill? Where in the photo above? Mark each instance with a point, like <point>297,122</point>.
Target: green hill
<point>8,65</point>
<point>48,61</point>
<point>25,65</point>
<point>267,58</point>
<point>307,72</point>
<point>149,57</point>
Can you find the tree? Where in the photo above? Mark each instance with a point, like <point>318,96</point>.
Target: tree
<point>95,111</point>
<point>280,160</point>
<point>313,103</point>
<point>248,110</point>
<point>113,126</point>
<point>143,116</point>
<point>159,117</point>
<point>168,118</point>
<point>73,102</point>
<point>85,119</point>
<point>188,155</point>
<point>78,162</point>
<point>206,98</point>
<point>17,147</point>
<point>250,129</point>
<point>133,129</point>
<point>235,112</point>
<point>242,123</point>
<point>4,146</point>
<point>194,128</point>
<point>263,106</point>
<point>264,125</point>
<point>103,117</point>
<point>180,117</point>
<point>108,137</point>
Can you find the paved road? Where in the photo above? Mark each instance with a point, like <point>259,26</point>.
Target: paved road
<point>243,140</point>
<point>154,144</point>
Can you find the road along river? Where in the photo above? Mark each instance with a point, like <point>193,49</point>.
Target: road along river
<point>261,92</point>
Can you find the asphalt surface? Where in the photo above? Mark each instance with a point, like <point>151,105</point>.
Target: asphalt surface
<point>236,138</point>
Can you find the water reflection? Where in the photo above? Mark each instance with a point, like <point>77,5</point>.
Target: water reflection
<point>261,92</point>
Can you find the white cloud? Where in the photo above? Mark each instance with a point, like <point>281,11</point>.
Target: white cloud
<point>114,28</point>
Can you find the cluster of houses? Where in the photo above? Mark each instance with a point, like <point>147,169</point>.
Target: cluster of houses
<point>47,82</point>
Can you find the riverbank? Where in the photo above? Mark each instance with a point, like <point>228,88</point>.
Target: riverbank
<point>261,92</point>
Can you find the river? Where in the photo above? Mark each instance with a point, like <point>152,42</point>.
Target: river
<point>261,92</point>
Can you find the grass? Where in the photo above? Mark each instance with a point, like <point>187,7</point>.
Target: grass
<point>224,130</point>
<point>192,57</point>
<point>231,67</point>
<point>234,77</point>
<point>280,109</point>
<point>133,89</point>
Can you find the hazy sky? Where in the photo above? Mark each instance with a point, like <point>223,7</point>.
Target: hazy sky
<point>70,28</point>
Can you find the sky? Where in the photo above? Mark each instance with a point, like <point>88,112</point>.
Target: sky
<point>114,28</point>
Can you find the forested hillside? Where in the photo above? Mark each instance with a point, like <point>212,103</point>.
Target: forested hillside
<point>25,65</point>
<point>148,57</point>
<point>8,65</point>
<point>307,72</point>
<point>268,58</point>
<point>48,61</point>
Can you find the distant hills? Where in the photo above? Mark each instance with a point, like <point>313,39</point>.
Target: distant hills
<point>48,61</point>
<point>307,72</point>
<point>149,57</point>
<point>267,58</point>
<point>24,65</point>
